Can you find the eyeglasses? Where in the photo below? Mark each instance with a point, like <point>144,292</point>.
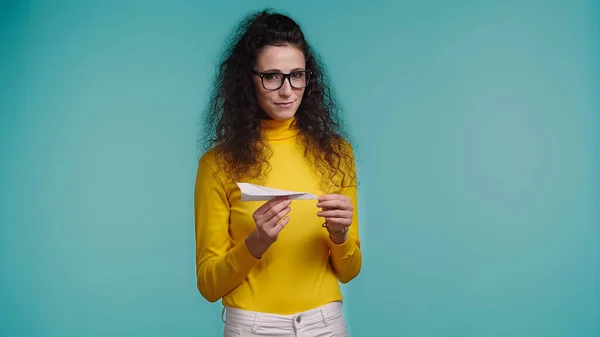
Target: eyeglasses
<point>273,81</point>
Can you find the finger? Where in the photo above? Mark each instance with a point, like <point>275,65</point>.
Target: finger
<point>277,216</point>
<point>335,214</point>
<point>279,226</point>
<point>264,208</point>
<point>329,197</point>
<point>272,207</point>
<point>276,210</point>
<point>335,204</point>
<point>341,221</point>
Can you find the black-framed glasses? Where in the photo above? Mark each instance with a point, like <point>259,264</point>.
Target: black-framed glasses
<point>273,81</point>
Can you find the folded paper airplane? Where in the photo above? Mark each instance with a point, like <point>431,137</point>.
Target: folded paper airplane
<point>251,192</point>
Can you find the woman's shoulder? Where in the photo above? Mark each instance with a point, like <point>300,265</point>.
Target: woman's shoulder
<point>209,158</point>
<point>346,146</point>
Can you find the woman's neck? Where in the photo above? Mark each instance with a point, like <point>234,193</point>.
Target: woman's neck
<point>274,129</point>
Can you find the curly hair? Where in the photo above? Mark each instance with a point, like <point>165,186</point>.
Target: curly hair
<point>233,119</point>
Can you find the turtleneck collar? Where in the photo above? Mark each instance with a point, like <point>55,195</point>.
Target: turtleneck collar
<point>279,129</point>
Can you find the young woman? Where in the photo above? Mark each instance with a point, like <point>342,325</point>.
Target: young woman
<point>276,265</point>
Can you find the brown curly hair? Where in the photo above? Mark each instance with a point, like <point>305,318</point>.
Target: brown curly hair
<point>233,115</point>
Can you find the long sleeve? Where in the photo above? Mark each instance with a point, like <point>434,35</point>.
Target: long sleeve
<point>346,258</point>
<point>220,265</point>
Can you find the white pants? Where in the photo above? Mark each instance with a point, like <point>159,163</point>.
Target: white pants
<point>325,321</point>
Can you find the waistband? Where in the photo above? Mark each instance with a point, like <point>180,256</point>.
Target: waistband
<point>255,320</point>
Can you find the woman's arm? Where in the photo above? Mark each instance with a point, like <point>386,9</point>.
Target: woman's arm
<point>341,211</point>
<point>345,253</point>
<point>220,265</point>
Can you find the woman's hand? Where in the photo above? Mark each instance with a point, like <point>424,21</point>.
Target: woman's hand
<point>337,210</point>
<point>270,218</point>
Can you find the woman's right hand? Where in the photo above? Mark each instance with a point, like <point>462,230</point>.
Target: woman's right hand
<point>270,218</point>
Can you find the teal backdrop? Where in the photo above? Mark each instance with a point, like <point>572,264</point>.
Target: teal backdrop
<point>476,125</point>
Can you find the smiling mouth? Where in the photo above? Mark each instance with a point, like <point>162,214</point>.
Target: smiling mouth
<point>285,103</point>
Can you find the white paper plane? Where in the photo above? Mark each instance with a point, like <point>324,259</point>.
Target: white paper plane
<point>251,192</point>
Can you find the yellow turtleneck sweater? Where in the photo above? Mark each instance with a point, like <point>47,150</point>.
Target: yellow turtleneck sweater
<point>302,269</point>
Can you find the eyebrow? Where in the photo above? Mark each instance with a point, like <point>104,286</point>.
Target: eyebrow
<point>279,71</point>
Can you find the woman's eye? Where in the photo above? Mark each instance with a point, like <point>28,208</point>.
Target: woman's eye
<point>270,77</point>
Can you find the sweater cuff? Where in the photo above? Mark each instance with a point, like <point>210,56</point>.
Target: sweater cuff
<point>343,250</point>
<point>242,260</point>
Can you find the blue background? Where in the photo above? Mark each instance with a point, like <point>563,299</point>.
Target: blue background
<point>476,126</point>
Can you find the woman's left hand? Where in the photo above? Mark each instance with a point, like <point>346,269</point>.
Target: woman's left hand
<point>337,210</point>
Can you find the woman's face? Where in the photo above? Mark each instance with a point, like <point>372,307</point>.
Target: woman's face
<point>278,101</point>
